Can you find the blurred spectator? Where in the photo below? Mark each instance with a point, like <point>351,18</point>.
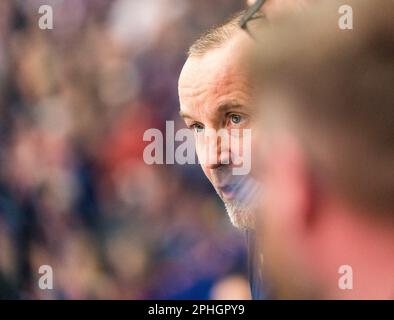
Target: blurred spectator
<point>74,191</point>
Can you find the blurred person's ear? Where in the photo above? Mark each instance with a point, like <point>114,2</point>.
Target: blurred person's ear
<point>289,183</point>
<point>288,210</point>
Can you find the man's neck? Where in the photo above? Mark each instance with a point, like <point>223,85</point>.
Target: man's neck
<point>365,243</point>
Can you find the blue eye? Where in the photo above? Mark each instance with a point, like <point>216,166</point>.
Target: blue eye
<point>197,127</point>
<point>236,118</point>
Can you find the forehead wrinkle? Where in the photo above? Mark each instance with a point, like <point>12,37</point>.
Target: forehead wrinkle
<point>223,96</point>
<point>212,80</point>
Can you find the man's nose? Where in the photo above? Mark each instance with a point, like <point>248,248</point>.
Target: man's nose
<point>218,153</point>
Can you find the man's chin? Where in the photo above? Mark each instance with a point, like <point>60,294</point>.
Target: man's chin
<point>241,216</point>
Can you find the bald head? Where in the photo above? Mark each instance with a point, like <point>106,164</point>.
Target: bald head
<point>275,8</point>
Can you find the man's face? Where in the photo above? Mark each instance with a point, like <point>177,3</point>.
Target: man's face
<point>214,94</point>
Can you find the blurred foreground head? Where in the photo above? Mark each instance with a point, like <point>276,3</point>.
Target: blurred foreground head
<point>325,97</point>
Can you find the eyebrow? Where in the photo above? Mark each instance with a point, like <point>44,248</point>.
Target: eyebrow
<point>232,104</point>
<point>185,115</point>
<point>223,107</point>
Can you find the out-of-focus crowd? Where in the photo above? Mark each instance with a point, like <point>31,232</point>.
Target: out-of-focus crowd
<point>75,193</point>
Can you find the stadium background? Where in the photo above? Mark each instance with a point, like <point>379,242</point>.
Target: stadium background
<point>75,193</point>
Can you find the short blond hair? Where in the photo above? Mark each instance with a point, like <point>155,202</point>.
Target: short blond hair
<point>340,83</point>
<point>219,35</point>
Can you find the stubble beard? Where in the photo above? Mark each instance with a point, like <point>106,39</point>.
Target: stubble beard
<point>241,214</point>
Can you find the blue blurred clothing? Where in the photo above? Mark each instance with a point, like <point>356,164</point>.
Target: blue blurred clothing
<point>258,290</point>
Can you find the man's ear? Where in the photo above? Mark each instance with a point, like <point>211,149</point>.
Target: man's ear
<point>292,181</point>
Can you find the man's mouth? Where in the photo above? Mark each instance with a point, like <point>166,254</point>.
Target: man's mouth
<point>229,191</point>
<point>240,189</point>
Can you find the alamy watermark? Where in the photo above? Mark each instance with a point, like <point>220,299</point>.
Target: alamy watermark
<point>211,147</point>
<point>345,21</point>
<point>345,281</point>
<point>46,19</point>
<point>45,282</point>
